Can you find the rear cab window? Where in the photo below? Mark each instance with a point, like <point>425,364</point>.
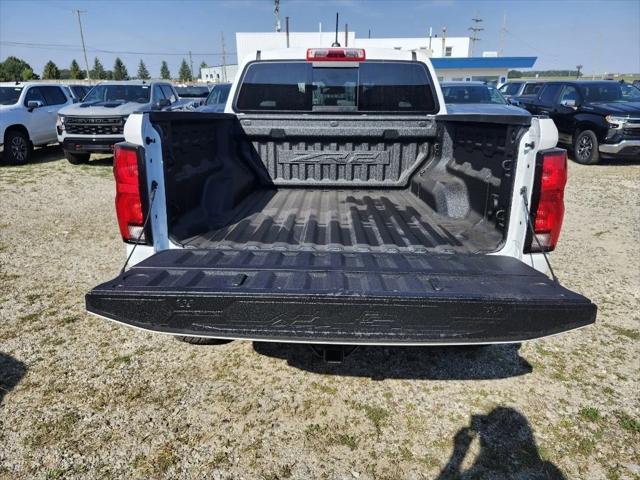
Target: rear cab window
<point>371,86</point>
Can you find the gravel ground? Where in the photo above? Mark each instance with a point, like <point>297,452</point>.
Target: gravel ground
<point>84,398</point>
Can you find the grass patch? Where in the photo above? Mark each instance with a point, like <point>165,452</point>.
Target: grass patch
<point>378,416</point>
<point>30,317</point>
<point>163,460</point>
<point>324,388</point>
<point>69,319</point>
<point>54,431</point>
<point>626,332</point>
<point>220,459</point>
<point>347,441</point>
<point>119,360</point>
<point>590,413</point>
<point>628,422</point>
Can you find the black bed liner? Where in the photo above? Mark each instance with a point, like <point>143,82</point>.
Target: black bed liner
<point>338,297</point>
<point>342,220</point>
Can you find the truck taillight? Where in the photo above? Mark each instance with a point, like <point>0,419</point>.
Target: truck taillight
<point>547,202</point>
<point>129,207</point>
<point>336,55</point>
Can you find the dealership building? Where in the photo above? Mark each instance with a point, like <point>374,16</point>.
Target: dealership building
<point>450,55</point>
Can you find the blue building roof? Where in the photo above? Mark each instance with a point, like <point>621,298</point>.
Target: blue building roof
<point>483,62</point>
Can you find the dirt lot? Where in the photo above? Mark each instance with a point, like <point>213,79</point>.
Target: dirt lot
<point>84,398</point>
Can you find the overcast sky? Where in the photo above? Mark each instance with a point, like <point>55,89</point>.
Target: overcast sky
<point>604,36</point>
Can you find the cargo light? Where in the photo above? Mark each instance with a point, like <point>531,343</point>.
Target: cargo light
<point>336,55</point>
<point>548,207</point>
<point>128,199</point>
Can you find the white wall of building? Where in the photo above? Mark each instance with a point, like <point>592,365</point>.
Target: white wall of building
<point>453,46</point>
<point>218,74</point>
<point>497,75</point>
<point>247,43</point>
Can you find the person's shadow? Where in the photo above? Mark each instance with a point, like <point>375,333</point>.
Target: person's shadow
<point>507,450</point>
<point>11,372</point>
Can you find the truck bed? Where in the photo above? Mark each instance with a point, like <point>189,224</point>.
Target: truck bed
<point>374,185</point>
<point>343,220</point>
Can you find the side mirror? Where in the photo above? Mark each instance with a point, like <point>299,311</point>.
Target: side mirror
<point>568,103</point>
<point>163,103</point>
<point>33,104</point>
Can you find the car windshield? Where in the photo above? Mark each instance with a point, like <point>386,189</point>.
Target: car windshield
<point>9,95</point>
<point>218,95</point>
<point>372,86</point>
<point>602,92</point>
<point>472,94</point>
<point>119,93</point>
<point>630,93</point>
<point>192,92</point>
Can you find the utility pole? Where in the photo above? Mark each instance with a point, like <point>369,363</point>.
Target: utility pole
<point>224,57</point>
<point>84,49</point>
<point>475,29</point>
<point>444,41</point>
<point>276,12</point>
<point>191,64</point>
<point>503,30</point>
<point>430,36</point>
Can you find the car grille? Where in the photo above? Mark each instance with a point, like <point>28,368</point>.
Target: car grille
<point>631,129</point>
<point>94,125</point>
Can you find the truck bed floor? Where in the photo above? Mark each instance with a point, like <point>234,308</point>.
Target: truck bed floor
<point>341,220</point>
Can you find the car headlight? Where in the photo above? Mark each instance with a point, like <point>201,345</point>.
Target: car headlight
<point>616,122</point>
<point>60,123</point>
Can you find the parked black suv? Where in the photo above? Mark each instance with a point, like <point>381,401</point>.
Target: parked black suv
<point>595,118</point>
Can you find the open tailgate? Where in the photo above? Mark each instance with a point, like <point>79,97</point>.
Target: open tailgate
<point>336,297</point>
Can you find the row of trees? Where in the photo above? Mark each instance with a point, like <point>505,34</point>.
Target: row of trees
<point>16,69</point>
<point>544,73</point>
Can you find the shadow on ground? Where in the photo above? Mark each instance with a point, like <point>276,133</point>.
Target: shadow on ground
<point>54,153</point>
<point>507,449</point>
<point>419,363</point>
<point>50,153</point>
<point>11,372</point>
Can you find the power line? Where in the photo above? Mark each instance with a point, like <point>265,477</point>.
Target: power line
<point>503,30</point>
<point>475,28</point>
<point>58,46</point>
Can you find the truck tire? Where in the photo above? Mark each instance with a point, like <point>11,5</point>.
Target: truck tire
<point>17,147</point>
<point>203,340</point>
<point>585,148</point>
<point>77,158</point>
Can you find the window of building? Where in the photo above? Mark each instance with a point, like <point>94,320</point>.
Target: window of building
<point>448,51</point>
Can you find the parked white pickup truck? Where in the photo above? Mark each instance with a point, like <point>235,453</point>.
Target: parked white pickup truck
<point>28,117</point>
<point>336,202</point>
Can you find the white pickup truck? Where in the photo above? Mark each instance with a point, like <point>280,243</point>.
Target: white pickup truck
<point>28,117</point>
<point>336,202</point>
<point>96,124</point>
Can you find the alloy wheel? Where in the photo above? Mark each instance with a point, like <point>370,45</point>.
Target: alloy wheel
<point>585,147</point>
<point>19,148</point>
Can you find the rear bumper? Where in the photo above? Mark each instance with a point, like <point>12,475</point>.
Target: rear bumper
<point>627,148</point>
<point>90,145</point>
<point>383,299</point>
